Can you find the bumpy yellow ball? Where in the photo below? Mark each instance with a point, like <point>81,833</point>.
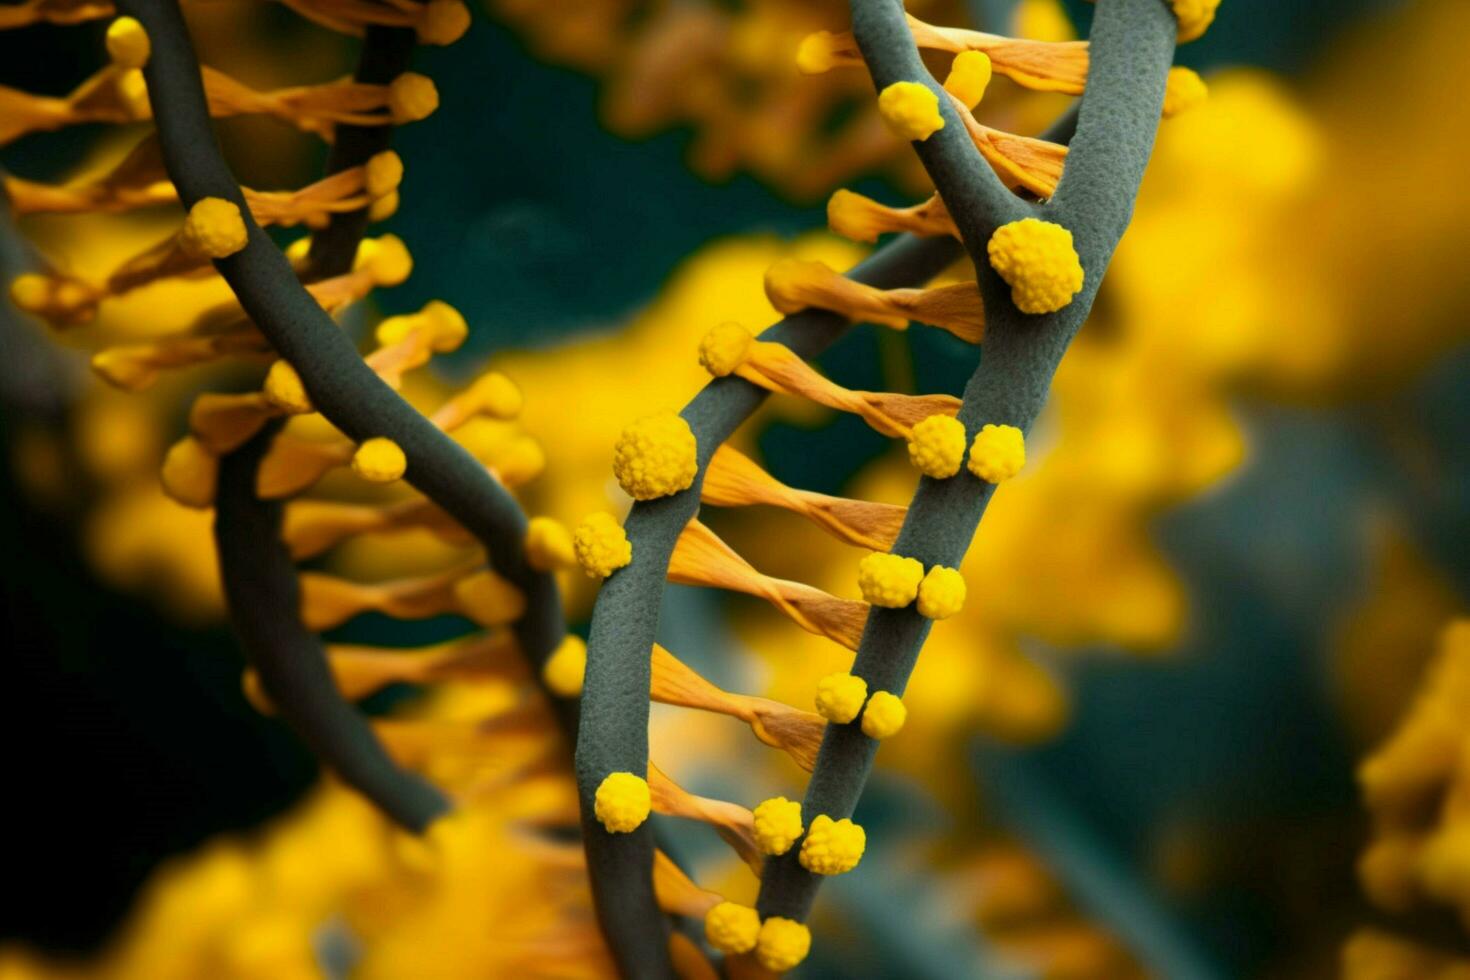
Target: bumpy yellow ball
<point>840,697</point>
<point>622,802</point>
<point>998,453</point>
<point>891,581</point>
<point>1039,262</point>
<point>777,825</point>
<point>601,545</point>
<point>884,715</point>
<point>782,944</point>
<point>723,349</point>
<point>911,110</point>
<point>214,228</point>
<point>942,593</point>
<point>832,847</point>
<point>655,456</point>
<point>732,928</point>
<point>937,446</point>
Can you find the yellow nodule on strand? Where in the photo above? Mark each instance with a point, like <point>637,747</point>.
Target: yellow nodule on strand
<point>383,173</point>
<point>832,847</point>
<point>942,593</point>
<point>549,545</point>
<point>777,824</point>
<point>655,457</point>
<point>998,453</point>
<point>815,54</point>
<point>127,43</point>
<point>1039,262</point>
<point>566,668</point>
<point>601,545</point>
<point>443,22</point>
<point>386,259</point>
<point>412,97</point>
<point>937,446</point>
<point>732,928</point>
<point>450,331</point>
<point>890,581</point>
<point>911,110</point>
<point>1194,16</point>
<point>724,347</point>
<point>379,460</point>
<point>1184,90</point>
<point>840,697</point>
<point>622,802</point>
<point>190,473</point>
<point>214,228</point>
<point>969,75</point>
<point>884,715</point>
<point>284,390</point>
<point>782,944</point>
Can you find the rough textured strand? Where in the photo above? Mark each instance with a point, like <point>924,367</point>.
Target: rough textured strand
<point>340,385</point>
<point>614,732</point>
<point>260,581</point>
<point>1132,46</point>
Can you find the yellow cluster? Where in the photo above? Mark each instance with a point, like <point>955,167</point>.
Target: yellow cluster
<point>723,349</point>
<point>1185,90</point>
<point>937,446</point>
<point>832,847</point>
<point>782,944</point>
<point>379,460</point>
<point>1194,16</point>
<point>732,928</point>
<point>566,668</point>
<point>969,76</point>
<point>998,453</point>
<point>549,545</point>
<point>655,456</point>
<point>840,697</point>
<point>622,802</point>
<point>214,228</point>
<point>911,110</point>
<point>888,580</point>
<point>884,715</point>
<point>1039,262</point>
<point>601,545</point>
<point>777,824</point>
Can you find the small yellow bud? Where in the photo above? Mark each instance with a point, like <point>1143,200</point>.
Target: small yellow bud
<point>30,292</point>
<point>450,329</point>
<point>1184,90</point>
<point>655,456</point>
<point>840,697</point>
<point>498,396</point>
<point>379,460</point>
<point>386,258</point>
<point>284,390</point>
<point>412,97</point>
<point>443,22</point>
<point>383,173</point>
<point>732,928</point>
<point>601,545</point>
<point>884,715</point>
<point>1194,16</point>
<point>127,43</point>
<point>1038,261</point>
<point>998,453</point>
<point>891,581</point>
<point>969,75</point>
<point>782,944</point>
<point>622,802</point>
<point>549,545</point>
<point>383,207</point>
<point>214,228</point>
<point>832,847</point>
<point>190,473</point>
<point>911,110</point>
<point>566,668</point>
<point>777,825</point>
<point>723,349</point>
<point>298,249</point>
<point>816,53</point>
<point>942,593</point>
<point>937,446</point>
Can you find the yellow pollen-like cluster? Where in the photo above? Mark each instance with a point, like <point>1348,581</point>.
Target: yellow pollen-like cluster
<point>998,453</point>
<point>937,446</point>
<point>891,581</point>
<point>832,847</point>
<point>601,545</point>
<point>127,43</point>
<point>732,928</point>
<point>383,173</point>
<point>723,349</point>
<point>412,97</point>
<point>566,668</point>
<point>214,228</point>
<point>284,390</point>
<point>386,259</point>
<point>969,76</point>
<point>622,802</point>
<point>1038,261</point>
<point>884,716</point>
<point>549,545</point>
<point>443,22</point>
<point>840,697</point>
<point>777,824</point>
<point>942,593</point>
<point>1194,16</point>
<point>379,460</point>
<point>783,943</point>
<point>911,110</point>
<point>655,456</point>
<point>1184,91</point>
